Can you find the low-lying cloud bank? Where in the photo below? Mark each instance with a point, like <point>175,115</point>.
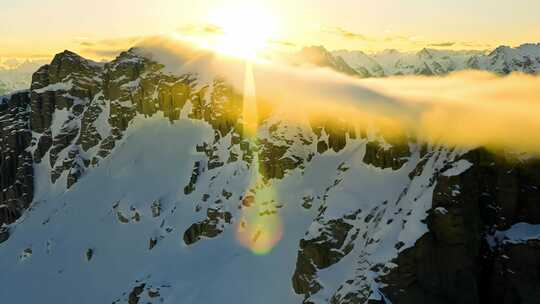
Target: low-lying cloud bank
<point>465,109</point>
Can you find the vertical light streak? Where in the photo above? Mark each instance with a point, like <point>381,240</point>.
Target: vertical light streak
<point>249,115</point>
<point>256,231</point>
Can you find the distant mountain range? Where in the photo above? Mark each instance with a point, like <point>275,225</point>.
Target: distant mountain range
<point>502,60</point>
<point>17,75</point>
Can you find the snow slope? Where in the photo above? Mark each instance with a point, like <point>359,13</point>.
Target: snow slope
<point>109,212</point>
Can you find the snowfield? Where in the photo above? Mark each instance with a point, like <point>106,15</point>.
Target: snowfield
<point>47,251</point>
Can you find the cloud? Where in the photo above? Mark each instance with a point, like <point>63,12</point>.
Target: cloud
<point>466,109</point>
<point>442,44</point>
<point>26,56</point>
<point>102,53</point>
<point>283,43</point>
<point>87,44</point>
<point>470,108</point>
<point>201,29</point>
<point>393,38</point>
<point>346,34</point>
<point>477,45</point>
<point>106,49</point>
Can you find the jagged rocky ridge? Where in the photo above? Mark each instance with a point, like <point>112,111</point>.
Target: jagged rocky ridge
<point>367,219</point>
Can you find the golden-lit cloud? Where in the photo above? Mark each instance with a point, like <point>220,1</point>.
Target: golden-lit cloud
<point>105,49</point>
<point>346,33</point>
<point>442,44</point>
<point>201,29</point>
<point>466,109</point>
<point>283,43</point>
<point>471,108</point>
<point>390,40</point>
<point>477,45</point>
<point>87,44</point>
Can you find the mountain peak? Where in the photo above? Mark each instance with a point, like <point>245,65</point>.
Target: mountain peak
<point>320,56</point>
<point>133,55</point>
<point>68,55</point>
<point>425,53</point>
<point>502,50</point>
<point>315,49</point>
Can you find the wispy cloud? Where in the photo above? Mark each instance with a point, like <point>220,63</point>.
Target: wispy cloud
<point>200,29</point>
<point>442,44</point>
<point>102,53</point>
<point>392,38</point>
<point>283,43</point>
<point>24,56</point>
<point>388,40</point>
<point>346,33</point>
<point>105,49</point>
<point>87,44</point>
<point>476,45</point>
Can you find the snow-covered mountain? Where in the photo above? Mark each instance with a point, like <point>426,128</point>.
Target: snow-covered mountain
<point>124,183</point>
<point>17,75</point>
<point>503,60</point>
<point>425,62</point>
<point>362,63</point>
<point>320,57</point>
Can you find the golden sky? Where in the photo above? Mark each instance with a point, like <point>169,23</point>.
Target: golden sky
<point>100,28</point>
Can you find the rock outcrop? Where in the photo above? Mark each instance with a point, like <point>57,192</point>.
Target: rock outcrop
<point>16,173</point>
<point>459,260</point>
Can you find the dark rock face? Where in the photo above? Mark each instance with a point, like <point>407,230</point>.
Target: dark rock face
<point>274,163</point>
<point>70,84</point>
<point>143,292</point>
<point>134,295</point>
<point>332,134</point>
<point>209,228</point>
<point>321,252</point>
<point>453,262</point>
<point>515,274</point>
<point>393,157</point>
<point>16,173</point>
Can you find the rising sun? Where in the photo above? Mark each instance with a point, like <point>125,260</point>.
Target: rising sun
<point>245,30</point>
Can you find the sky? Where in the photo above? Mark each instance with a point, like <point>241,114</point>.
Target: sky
<point>100,28</point>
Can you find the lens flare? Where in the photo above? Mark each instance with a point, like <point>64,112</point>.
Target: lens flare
<point>260,227</point>
<point>259,230</point>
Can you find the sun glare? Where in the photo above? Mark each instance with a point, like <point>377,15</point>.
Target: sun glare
<point>245,30</point>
